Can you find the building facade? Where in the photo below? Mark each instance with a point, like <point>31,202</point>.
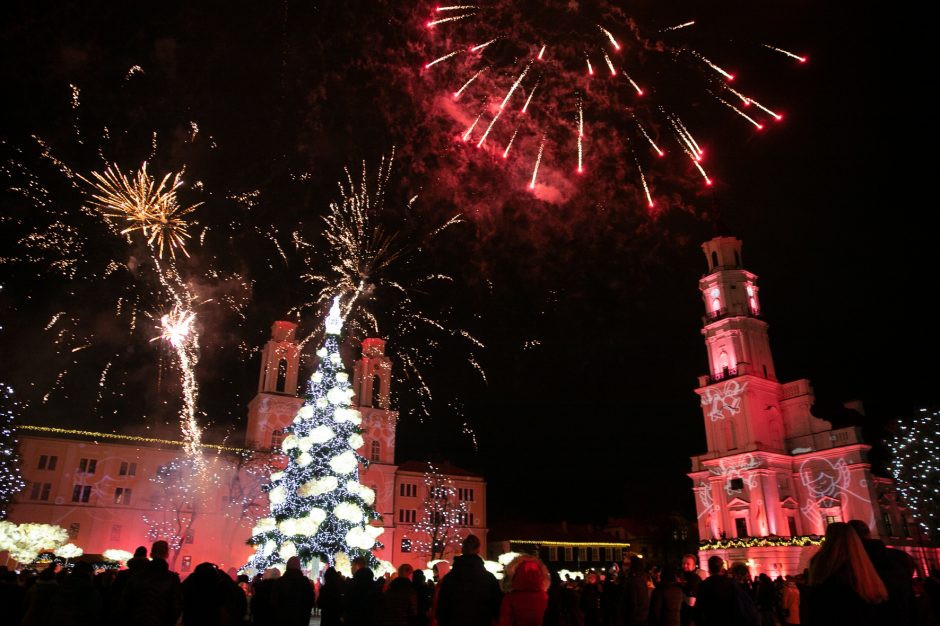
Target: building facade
<point>774,475</point>
<point>118,492</point>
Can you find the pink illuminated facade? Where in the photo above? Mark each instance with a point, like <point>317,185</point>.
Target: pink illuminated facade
<point>113,491</point>
<point>774,475</point>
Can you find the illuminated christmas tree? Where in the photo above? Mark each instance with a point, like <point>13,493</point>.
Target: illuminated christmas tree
<point>319,509</point>
<point>916,467</point>
<point>10,480</point>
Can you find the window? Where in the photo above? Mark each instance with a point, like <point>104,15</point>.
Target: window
<point>81,493</point>
<point>552,553</point>
<point>40,491</point>
<point>128,469</point>
<point>466,519</point>
<point>791,524</point>
<point>122,495</point>
<point>407,516</point>
<point>889,528</point>
<point>618,555</point>
<point>833,518</point>
<point>376,451</point>
<point>281,376</point>
<point>115,532</point>
<point>47,462</point>
<point>736,484</point>
<point>905,530</point>
<point>569,553</point>
<point>595,554</point>
<point>582,554</point>
<point>714,260</point>
<point>187,563</point>
<point>87,466</point>
<point>740,527</point>
<point>438,493</point>
<point>465,493</point>
<point>74,528</point>
<point>277,436</point>
<point>408,490</point>
<point>190,536</point>
<point>406,545</point>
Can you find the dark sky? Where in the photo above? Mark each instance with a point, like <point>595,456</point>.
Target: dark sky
<point>597,417</point>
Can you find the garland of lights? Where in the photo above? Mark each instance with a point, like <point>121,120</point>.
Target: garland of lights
<point>96,435</point>
<point>11,482</point>
<point>916,467</point>
<point>762,542</point>
<point>319,509</point>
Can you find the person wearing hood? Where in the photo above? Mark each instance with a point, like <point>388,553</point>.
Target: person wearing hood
<point>362,595</point>
<point>527,599</point>
<point>469,594</point>
<point>262,598</point>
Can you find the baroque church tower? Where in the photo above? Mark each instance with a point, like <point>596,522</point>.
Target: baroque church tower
<point>774,475</point>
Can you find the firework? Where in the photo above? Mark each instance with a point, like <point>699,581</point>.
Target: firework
<point>671,78</point>
<point>373,269</point>
<point>146,206</point>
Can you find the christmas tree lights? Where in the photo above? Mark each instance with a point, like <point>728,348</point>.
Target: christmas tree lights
<point>319,509</point>
<point>916,467</point>
<point>10,480</point>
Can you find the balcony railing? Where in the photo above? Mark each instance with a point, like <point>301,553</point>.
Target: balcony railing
<point>719,314</point>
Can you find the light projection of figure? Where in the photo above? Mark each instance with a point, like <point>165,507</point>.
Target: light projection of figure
<point>829,484</point>
<point>724,401</point>
<point>735,468</point>
<point>709,509</point>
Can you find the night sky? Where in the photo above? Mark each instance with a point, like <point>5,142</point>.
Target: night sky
<point>587,303</point>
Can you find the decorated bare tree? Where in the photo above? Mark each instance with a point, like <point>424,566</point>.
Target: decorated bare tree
<point>442,514</point>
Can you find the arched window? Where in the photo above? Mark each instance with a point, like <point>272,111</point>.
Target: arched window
<point>281,376</point>
<point>723,361</point>
<point>716,305</point>
<point>714,260</point>
<point>376,451</point>
<point>737,259</point>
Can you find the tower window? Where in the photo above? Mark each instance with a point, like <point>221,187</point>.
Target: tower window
<point>281,375</point>
<point>716,305</point>
<point>714,260</point>
<point>376,451</point>
<point>737,259</point>
<point>736,484</point>
<point>377,392</point>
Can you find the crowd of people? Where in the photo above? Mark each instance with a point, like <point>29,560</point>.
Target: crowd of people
<point>852,580</point>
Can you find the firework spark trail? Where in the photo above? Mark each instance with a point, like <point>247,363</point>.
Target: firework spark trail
<point>443,58</point>
<point>750,119</point>
<point>646,189</point>
<point>610,36</point>
<point>639,90</point>
<point>443,20</point>
<point>760,106</point>
<point>580,136</point>
<point>713,65</point>
<point>460,7</point>
<point>538,160</point>
<point>541,52</point>
<point>610,64</point>
<point>678,26</point>
<point>801,59</point>
<point>590,69</point>
<point>179,330</point>
<point>466,135</point>
<point>509,145</point>
<point>467,84</point>
<point>502,105</point>
<point>650,140</point>
<point>525,107</point>
<point>483,45</point>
